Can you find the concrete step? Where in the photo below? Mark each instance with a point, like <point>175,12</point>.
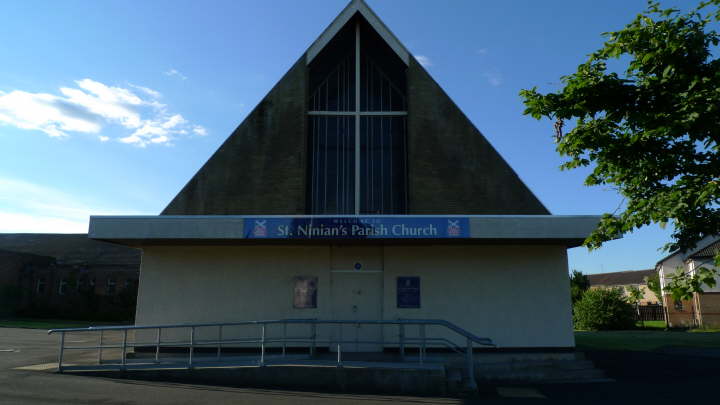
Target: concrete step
<point>521,365</point>
<point>430,381</point>
<point>542,375</point>
<point>540,371</point>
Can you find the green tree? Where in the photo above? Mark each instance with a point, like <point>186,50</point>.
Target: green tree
<point>682,285</point>
<point>650,131</point>
<point>634,295</point>
<point>653,284</point>
<point>603,309</point>
<point>579,283</point>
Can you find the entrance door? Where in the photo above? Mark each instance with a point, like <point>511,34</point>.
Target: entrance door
<point>357,292</point>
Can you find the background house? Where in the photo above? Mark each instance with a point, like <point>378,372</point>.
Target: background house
<point>67,275</point>
<point>625,280</point>
<point>651,308</point>
<point>703,309</point>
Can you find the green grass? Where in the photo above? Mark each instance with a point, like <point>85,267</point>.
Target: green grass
<point>645,340</point>
<point>32,323</point>
<point>652,325</point>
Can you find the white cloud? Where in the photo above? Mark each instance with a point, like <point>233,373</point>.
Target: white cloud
<point>90,106</point>
<point>495,79</point>
<point>199,130</point>
<point>175,73</point>
<point>111,103</point>
<point>174,121</point>
<point>29,207</point>
<point>156,131</point>
<point>424,60</point>
<point>150,92</point>
<point>45,112</point>
<point>482,51</point>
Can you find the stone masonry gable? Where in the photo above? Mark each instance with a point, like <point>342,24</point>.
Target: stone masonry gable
<point>453,169</point>
<point>261,169</point>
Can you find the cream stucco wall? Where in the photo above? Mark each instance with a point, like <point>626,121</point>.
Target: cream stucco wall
<point>193,284</point>
<point>516,295</point>
<point>519,296</point>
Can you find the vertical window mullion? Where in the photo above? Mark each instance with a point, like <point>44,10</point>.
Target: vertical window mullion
<point>357,119</point>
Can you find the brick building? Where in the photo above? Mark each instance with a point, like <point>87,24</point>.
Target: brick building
<point>703,309</point>
<point>67,275</point>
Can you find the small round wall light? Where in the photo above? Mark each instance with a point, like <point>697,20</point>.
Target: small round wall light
<point>358,266</point>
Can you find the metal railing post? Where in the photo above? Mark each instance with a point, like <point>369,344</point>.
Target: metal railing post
<point>192,347</point>
<point>339,360</point>
<point>402,342</point>
<point>313,331</point>
<point>262,347</point>
<point>100,343</point>
<point>357,336</point>
<point>157,346</point>
<point>422,343</point>
<point>62,349</point>
<point>123,361</point>
<point>220,338</point>
<point>471,384</point>
<point>284,339</point>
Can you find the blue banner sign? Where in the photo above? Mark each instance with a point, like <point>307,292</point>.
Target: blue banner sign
<point>356,227</point>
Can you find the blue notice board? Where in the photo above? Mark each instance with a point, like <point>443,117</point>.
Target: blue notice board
<point>408,292</point>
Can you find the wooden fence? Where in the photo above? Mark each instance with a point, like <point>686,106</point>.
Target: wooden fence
<point>651,313</point>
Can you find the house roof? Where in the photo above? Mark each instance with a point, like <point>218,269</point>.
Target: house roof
<point>708,242</point>
<point>6,254</point>
<point>620,277</point>
<point>708,251</point>
<point>70,248</point>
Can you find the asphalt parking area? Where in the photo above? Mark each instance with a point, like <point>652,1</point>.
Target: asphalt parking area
<point>640,376</point>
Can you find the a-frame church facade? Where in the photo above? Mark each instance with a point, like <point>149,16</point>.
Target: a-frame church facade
<point>357,190</point>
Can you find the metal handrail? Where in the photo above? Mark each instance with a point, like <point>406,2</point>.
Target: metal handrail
<point>421,342</point>
<point>401,321</point>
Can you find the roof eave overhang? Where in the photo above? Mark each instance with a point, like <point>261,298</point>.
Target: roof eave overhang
<point>568,231</point>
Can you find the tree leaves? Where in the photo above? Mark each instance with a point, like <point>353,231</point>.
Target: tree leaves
<point>651,131</point>
<point>683,285</point>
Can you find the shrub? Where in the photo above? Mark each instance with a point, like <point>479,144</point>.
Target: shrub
<point>603,309</point>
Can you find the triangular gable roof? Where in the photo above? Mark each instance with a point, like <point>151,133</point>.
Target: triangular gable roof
<point>261,168</point>
<point>357,6</point>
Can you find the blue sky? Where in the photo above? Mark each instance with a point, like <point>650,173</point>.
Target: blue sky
<point>110,107</point>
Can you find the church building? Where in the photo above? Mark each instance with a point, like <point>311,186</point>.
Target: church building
<point>358,190</point>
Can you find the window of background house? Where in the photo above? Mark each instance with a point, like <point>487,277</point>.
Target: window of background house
<point>111,286</point>
<point>82,284</point>
<point>40,288</point>
<point>63,286</point>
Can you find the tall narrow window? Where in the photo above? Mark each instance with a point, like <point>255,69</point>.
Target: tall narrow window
<point>357,127</point>
<point>62,287</point>
<point>40,288</point>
